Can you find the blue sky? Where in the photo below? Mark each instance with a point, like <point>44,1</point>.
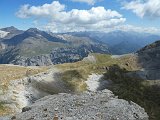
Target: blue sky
<point>130,15</point>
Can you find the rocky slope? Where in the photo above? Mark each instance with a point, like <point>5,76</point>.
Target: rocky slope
<point>34,47</point>
<point>23,92</point>
<point>102,105</point>
<point>149,57</point>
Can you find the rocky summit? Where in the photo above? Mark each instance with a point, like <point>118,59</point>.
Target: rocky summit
<point>101,105</point>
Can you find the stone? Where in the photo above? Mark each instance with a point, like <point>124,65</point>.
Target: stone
<point>26,109</point>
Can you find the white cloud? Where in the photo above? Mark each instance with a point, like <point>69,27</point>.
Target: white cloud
<point>144,8</point>
<point>90,2</point>
<point>3,34</point>
<point>60,20</point>
<point>139,29</point>
<point>27,11</point>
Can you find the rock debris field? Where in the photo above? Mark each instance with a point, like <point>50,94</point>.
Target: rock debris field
<point>101,105</point>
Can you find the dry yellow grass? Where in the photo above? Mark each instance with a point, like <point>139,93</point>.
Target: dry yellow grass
<point>11,72</point>
<point>5,111</point>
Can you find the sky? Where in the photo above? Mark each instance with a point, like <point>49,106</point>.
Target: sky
<point>82,15</point>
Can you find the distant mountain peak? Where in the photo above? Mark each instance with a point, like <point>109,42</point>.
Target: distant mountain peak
<point>9,29</point>
<point>33,29</point>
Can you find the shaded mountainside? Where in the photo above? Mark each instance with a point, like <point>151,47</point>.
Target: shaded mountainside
<point>35,47</point>
<point>149,57</point>
<point>124,47</point>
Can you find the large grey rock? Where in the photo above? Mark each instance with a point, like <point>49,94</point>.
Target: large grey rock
<point>101,105</point>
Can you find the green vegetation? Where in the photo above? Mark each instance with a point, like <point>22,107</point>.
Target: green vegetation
<point>1,106</point>
<point>4,110</point>
<point>76,73</point>
<point>134,89</point>
<point>74,80</point>
<point>103,60</point>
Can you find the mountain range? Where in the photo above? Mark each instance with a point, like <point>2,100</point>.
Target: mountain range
<point>34,47</point>
<point>121,42</point>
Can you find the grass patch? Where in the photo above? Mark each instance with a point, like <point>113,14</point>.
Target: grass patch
<point>74,80</point>
<point>102,61</point>
<point>4,110</point>
<point>75,74</point>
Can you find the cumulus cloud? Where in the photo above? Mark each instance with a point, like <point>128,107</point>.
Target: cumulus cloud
<point>145,8</point>
<point>60,20</point>
<point>52,9</point>
<point>90,2</point>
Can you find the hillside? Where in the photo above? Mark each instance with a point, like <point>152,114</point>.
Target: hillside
<point>102,71</point>
<point>68,77</point>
